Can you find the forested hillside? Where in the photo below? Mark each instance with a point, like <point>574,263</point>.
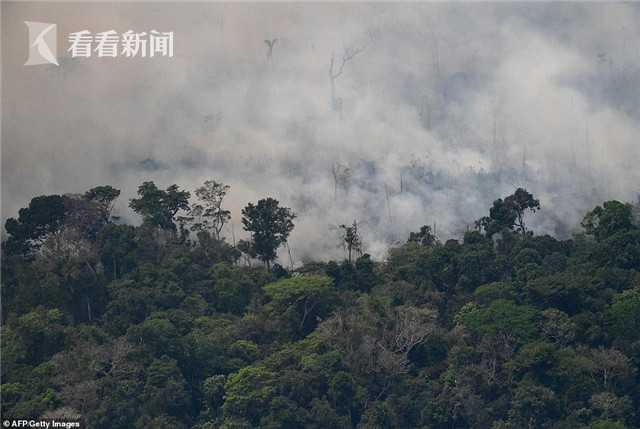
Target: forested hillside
<point>170,325</point>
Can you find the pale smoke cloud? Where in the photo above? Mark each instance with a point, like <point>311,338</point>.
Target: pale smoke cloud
<point>448,107</point>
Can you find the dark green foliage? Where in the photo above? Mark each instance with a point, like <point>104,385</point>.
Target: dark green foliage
<point>158,207</point>
<point>44,216</point>
<point>103,197</point>
<point>140,327</point>
<point>165,391</point>
<point>500,318</point>
<point>117,243</point>
<point>606,220</point>
<point>301,301</point>
<point>624,314</point>
<point>508,214</point>
<point>425,237</point>
<point>269,225</point>
<point>232,288</point>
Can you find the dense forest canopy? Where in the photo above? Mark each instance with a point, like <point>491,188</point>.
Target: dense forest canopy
<point>169,325</point>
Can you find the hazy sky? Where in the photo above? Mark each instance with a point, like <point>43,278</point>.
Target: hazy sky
<point>446,107</point>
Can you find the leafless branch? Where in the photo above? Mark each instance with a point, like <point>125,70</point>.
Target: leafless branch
<point>348,55</point>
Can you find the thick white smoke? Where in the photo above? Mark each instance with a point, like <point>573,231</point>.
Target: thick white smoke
<point>444,108</point>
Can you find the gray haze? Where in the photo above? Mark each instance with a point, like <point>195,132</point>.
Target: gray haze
<point>445,108</point>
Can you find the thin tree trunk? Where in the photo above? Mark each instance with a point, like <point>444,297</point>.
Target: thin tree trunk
<point>386,194</point>
<point>333,93</point>
<point>89,313</point>
<point>290,255</point>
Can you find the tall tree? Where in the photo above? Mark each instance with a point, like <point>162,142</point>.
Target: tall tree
<point>425,237</point>
<point>104,196</point>
<point>158,207</point>
<point>351,240</point>
<point>269,225</point>
<point>44,216</point>
<point>509,213</point>
<point>604,221</point>
<point>520,202</point>
<point>208,213</point>
<point>301,300</point>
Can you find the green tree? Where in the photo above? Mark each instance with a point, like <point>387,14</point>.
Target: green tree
<point>233,288</point>
<point>213,393</point>
<point>104,197</point>
<point>165,390</point>
<point>501,317</point>
<point>301,299</point>
<point>624,315</point>
<point>509,213</point>
<point>41,333</point>
<point>158,207</point>
<point>425,237</point>
<point>269,225</point>
<point>608,219</point>
<point>351,240</point>
<point>158,335</point>
<point>117,244</point>
<point>207,213</point>
<point>43,216</point>
<point>532,405</point>
<point>249,393</point>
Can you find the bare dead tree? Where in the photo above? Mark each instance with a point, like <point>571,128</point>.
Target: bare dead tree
<point>291,263</point>
<point>412,325</point>
<point>524,166</point>
<point>270,44</point>
<point>387,200</point>
<point>609,366</point>
<point>380,350</point>
<point>426,111</point>
<point>334,173</point>
<point>336,70</point>
<point>495,351</point>
<point>351,240</point>
<point>233,234</point>
<point>341,174</point>
<point>435,53</point>
<point>207,213</point>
